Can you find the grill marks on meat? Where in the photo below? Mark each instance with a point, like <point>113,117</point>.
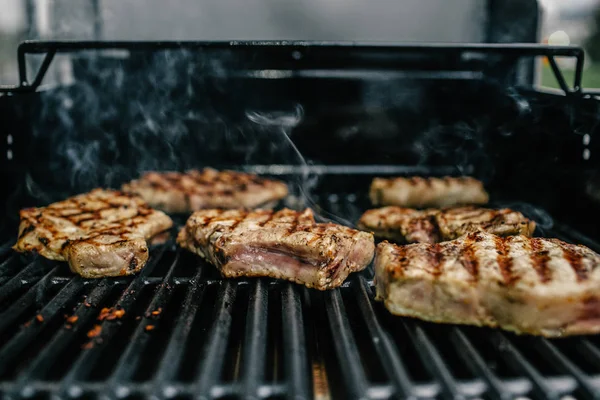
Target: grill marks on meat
<point>194,190</point>
<point>575,257</point>
<point>540,259</point>
<point>407,225</point>
<point>504,260</point>
<point>99,233</point>
<point>417,192</point>
<point>526,285</point>
<point>469,259</point>
<point>283,244</point>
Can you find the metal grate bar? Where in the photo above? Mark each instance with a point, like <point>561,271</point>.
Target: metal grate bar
<point>554,356</point>
<point>432,359</point>
<point>162,382</point>
<point>27,270</point>
<point>345,346</point>
<point>214,353</point>
<point>255,341</point>
<point>49,354</point>
<point>26,335</point>
<point>589,351</point>
<point>387,351</point>
<point>149,281</point>
<point>477,365</point>
<point>520,363</point>
<point>87,358</point>
<point>23,303</point>
<point>33,270</point>
<point>6,248</point>
<point>294,347</point>
<point>128,361</point>
<point>7,267</point>
<point>140,389</point>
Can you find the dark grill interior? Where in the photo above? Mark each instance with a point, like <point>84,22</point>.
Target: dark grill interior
<point>260,338</point>
<point>177,330</point>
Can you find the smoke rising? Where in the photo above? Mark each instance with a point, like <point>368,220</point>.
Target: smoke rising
<point>116,122</point>
<point>281,125</point>
<point>180,109</point>
<point>119,119</point>
<point>462,144</point>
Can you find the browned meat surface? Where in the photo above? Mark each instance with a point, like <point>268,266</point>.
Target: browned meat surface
<point>526,285</point>
<point>100,233</point>
<point>284,244</point>
<point>419,192</point>
<point>194,190</point>
<point>407,225</point>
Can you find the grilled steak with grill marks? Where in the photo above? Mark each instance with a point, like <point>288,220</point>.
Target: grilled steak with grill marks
<point>526,285</point>
<point>417,192</point>
<point>407,225</point>
<point>100,233</point>
<point>194,190</point>
<point>284,244</point>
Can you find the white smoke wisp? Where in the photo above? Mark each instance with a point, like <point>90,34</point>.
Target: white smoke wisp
<point>116,121</point>
<point>282,124</point>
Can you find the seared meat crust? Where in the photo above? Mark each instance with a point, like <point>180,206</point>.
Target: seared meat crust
<point>99,233</point>
<point>283,244</point>
<point>526,285</point>
<point>407,225</point>
<point>177,192</point>
<point>417,192</point>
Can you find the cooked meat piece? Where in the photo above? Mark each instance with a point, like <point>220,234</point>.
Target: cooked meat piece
<point>526,285</point>
<point>419,192</point>
<point>177,192</point>
<point>402,225</point>
<point>407,225</point>
<point>284,244</point>
<point>100,233</point>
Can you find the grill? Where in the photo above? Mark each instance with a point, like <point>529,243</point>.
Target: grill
<point>177,330</point>
<point>260,338</point>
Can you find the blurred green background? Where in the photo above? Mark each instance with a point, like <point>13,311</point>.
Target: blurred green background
<point>591,77</point>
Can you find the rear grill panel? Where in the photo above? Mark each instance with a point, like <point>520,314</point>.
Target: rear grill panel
<point>264,338</point>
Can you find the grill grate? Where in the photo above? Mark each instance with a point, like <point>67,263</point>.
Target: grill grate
<point>187,333</point>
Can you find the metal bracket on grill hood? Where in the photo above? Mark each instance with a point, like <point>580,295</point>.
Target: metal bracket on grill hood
<point>282,59</point>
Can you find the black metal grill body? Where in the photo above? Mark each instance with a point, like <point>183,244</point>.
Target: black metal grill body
<point>366,111</point>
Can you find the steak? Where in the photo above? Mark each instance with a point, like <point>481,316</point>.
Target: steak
<point>526,285</point>
<point>283,244</point>
<point>177,192</point>
<point>408,225</point>
<point>99,233</point>
<point>417,192</point>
